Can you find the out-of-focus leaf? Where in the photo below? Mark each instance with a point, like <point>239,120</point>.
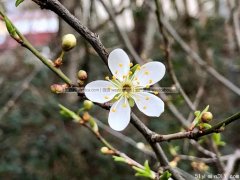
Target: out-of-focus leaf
<point>131,102</point>
<point>198,117</point>
<point>119,159</point>
<point>93,124</point>
<point>146,172</point>
<point>18,2</point>
<point>165,176</point>
<point>217,139</point>
<point>10,27</point>
<point>68,113</point>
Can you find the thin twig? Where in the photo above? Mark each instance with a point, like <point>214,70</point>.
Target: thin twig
<point>25,43</point>
<point>124,138</point>
<point>198,59</point>
<point>168,58</point>
<point>195,135</point>
<point>19,91</point>
<point>231,163</point>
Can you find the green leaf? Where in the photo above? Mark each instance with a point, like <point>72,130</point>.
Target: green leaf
<point>11,29</point>
<point>134,68</point>
<point>18,2</point>
<point>119,159</point>
<point>197,113</point>
<point>146,165</point>
<point>198,117</point>
<point>206,109</point>
<point>218,139</point>
<point>131,102</point>
<point>165,176</point>
<point>139,170</point>
<point>93,124</point>
<point>68,113</point>
<point>173,150</point>
<point>204,126</point>
<point>144,172</point>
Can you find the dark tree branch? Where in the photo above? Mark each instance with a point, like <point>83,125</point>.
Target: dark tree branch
<point>92,38</point>
<point>195,135</point>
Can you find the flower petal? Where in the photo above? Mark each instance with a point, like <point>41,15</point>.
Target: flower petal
<point>149,74</point>
<point>118,62</point>
<point>99,91</point>
<point>149,104</point>
<point>119,115</point>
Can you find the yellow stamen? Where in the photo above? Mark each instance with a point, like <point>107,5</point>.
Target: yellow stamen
<point>113,110</point>
<point>116,72</point>
<point>131,64</point>
<point>150,81</point>
<point>124,105</point>
<point>107,77</point>
<point>144,107</point>
<point>146,72</point>
<point>139,67</point>
<point>156,93</point>
<point>148,86</point>
<point>120,65</point>
<point>114,78</point>
<point>106,97</point>
<point>147,98</point>
<point>130,73</point>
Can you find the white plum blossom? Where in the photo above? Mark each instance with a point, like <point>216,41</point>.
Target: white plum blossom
<point>127,86</point>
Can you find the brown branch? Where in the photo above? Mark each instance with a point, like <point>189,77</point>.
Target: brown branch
<point>17,94</point>
<point>122,35</point>
<point>91,37</point>
<point>168,58</point>
<point>195,135</point>
<point>198,59</point>
<point>231,163</point>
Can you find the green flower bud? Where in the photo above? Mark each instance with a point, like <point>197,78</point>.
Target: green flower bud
<point>69,41</point>
<point>87,104</point>
<point>82,75</point>
<point>207,117</point>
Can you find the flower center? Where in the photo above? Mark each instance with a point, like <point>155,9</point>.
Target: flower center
<point>126,88</point>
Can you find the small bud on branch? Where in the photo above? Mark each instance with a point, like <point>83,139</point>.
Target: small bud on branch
<point>69,41</point>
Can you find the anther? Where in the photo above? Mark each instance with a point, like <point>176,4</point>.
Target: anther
<point>146,72</point>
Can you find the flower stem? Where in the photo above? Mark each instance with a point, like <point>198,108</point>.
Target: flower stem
<point>25,43</point>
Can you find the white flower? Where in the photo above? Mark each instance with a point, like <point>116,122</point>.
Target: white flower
<point>126,87</point>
